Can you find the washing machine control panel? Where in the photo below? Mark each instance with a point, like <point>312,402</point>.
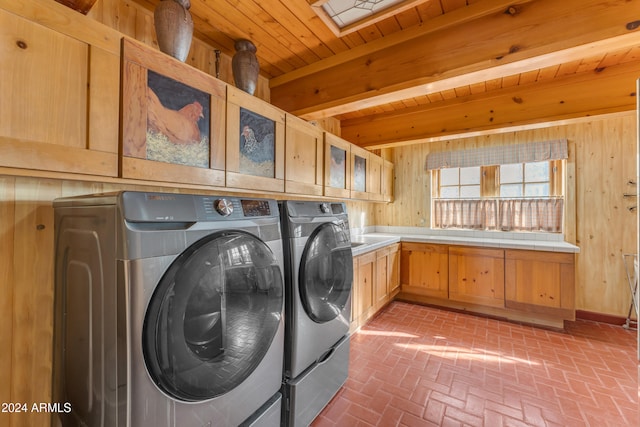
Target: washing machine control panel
<point>251,207</point>
<point>223,206</point>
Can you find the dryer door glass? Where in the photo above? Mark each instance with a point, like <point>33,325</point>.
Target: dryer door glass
<point>326,273</point>
<point>213,316</point>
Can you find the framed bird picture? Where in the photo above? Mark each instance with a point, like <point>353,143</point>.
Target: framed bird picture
<point>337,166</point>
<point>173,119</point>
<point>178,118</point>
<point>255,143</point>
<point>359,173</point>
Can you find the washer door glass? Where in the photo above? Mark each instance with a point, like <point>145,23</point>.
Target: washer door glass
<point>213,316</point>
<point>326,273</point>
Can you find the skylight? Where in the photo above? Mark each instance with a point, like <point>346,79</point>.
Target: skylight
<point>346,16</point>
<point>345,12</point>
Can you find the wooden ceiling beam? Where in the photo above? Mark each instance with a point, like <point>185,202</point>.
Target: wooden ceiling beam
<point>514,39</point>
<point>587,94</point>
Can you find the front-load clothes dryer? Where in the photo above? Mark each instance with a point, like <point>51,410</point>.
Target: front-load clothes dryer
<point>318,277</point>
<point>168,310</point>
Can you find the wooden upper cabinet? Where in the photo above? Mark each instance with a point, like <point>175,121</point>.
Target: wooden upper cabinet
<point>387,181</point>
<point>304,151</point>
<point>52,119</point>
<point>476,275</point>
<point>360,179</point>
<point>374,177</point>
<point>173,119</point>
<point>255,143</point>
<point>425,269</point>
<point>337,166</point>
<point>541,282</point>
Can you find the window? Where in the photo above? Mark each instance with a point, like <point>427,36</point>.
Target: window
<point>518,180</point>
<point>525,180</point>
<point>513,187</point>
<point>509,197</point>
<point>460,183</point>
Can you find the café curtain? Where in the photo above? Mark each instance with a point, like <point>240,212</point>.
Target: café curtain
<point>539,214</point>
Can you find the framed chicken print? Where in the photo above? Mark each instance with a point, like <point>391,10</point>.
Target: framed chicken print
<point>255,143</point>
<point>177,122</point>
<point>173,120</point>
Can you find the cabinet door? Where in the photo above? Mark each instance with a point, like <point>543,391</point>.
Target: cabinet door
<point>393,276</point>
<point>387,181</point>
<point>382,277</point>
<point>542,282</point>
<point>173,119</point>
<point>477,276</point>
<point>374,177</point>
<point>425,269</point>
<point>255,143</point>
<point>337,166</point>
<point>304,149</point>
<point>363,286</point>
<point>59,104</point>
<point>359,173</point>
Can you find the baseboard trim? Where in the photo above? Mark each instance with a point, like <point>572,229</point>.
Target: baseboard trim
<point>600,317</point>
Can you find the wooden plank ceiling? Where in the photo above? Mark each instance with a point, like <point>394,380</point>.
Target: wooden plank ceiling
<point>441,68</point>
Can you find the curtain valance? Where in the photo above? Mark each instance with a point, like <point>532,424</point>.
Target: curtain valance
<point>507,154</point>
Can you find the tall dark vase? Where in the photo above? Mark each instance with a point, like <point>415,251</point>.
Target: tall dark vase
<point>245,66</point>
<point>174,27</point>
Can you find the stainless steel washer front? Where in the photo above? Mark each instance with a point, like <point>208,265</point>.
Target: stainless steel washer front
<point>187,329</point>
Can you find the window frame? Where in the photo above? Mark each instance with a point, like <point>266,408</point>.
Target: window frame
<point>490,181</point>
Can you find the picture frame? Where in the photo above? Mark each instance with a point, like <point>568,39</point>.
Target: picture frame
<point>173,119</point>
<point>337,166</point>
<point>255,143</point>
<point>360,180</point>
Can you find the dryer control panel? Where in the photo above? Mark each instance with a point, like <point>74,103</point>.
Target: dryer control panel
<point>163,207</point>
<point>216,208</point>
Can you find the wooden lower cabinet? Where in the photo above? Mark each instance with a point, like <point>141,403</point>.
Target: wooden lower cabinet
<point>425,269</point>
<point>393,271</point>
<point>364,272</point>
<point>529,286</point>
<point>476,275</point>
<point>540,282</point>
<point>382,271</point>
<point>376,281</point>
<point>387,283</point>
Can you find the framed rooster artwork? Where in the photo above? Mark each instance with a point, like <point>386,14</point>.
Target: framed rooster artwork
<point>337,166</point>
<point>255,143</point>
<point>173,119</point>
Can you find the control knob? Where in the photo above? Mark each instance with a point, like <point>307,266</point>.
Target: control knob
<point>324,207</point>
<point>224,207</point>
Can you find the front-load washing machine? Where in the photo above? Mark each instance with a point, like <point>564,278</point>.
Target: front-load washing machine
<point>318,277</point>
<point>168,310</point>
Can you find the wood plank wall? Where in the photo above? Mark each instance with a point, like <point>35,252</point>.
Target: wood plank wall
<point>605,161</point>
